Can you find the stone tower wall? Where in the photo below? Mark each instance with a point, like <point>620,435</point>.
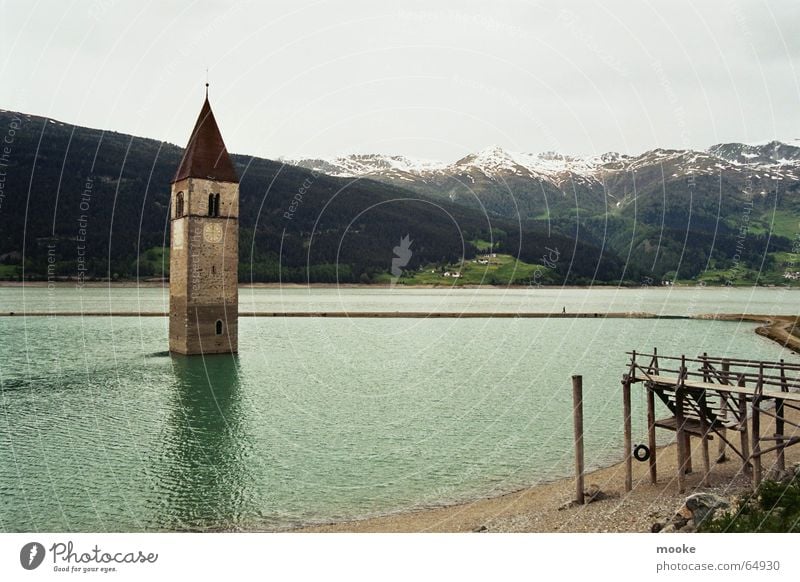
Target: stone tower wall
<point>204,269</point>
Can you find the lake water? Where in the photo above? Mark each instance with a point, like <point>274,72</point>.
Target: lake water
<point>656,300</point>
<point>318,419</point>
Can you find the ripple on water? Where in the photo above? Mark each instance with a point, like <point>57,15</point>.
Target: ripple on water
<point>315,420</point>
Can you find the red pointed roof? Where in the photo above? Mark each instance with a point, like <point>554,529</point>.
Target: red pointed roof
<point>206,156</point>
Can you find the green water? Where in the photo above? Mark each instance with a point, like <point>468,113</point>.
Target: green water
<point>315,420</point>
<point>658,300</point>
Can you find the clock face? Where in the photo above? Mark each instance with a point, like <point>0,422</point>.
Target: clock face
<point>212,232</point>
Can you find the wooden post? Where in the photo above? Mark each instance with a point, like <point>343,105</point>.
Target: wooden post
<point>706,456</point>
<point>687,449</point>
<point>703,402</point>
<point>779,423</point>
<point>680,432</point>
<point>755,435</point>
<point>723,413</point>
<point>651,422</point>
<point>688,452</point>
<point>577,420</point>
<point>681,438</point>
<point>743,426</point>
<point>651,433</point>
<point>626,411</point>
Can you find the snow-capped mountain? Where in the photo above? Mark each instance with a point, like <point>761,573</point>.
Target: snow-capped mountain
<point>774,160</point>
<point>772,154</point>
<point>658,186</point>
<point>357,165</point>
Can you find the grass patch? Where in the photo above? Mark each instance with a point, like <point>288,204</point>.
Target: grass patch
<point>501,270</point>
<point>773,274</point>
<point>9,271</point>
<point>736,277</point>
<point>481,245</point>
<point>784,223</point>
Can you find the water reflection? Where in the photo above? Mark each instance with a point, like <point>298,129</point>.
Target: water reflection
<point>205,444</point>
<point>92,440</point>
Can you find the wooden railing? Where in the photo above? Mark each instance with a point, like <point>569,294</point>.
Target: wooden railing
<point>710,396</point>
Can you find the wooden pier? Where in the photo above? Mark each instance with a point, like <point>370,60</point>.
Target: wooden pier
<point>711,397</point>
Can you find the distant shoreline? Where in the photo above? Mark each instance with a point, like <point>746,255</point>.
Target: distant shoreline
<point>443,287</point>
<point>375,314</point>
<point>782,329</point>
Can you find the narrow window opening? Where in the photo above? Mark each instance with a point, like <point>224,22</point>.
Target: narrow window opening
<point>216,205</point>
<point>211,205</point>
<point>213,270</point>
<point>179,205</point>
<point>219,327</point>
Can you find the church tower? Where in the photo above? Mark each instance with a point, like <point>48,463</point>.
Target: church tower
<point>204,248</point>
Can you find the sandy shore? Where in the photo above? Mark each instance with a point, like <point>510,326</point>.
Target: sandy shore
<point>782,329</point>
<point>536,509</point>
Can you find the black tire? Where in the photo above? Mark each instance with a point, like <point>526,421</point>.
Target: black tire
<point>641,453</point>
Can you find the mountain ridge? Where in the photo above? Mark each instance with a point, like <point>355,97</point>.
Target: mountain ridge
<point>646,207</point>
<point>494,159</point>
<point>664,215</point>
<point>81,202</point>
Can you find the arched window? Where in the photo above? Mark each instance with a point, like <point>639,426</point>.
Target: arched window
<point>179,205</point>
<point>219,327</point>
<point>213,204</point>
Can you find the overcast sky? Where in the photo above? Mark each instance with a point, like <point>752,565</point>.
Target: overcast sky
<point>431,79</point>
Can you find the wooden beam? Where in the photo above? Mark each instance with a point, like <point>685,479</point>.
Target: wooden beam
<point>780,460</point>
<point>651,433</point>
<point>786,443</point>
<point>688,452</point>
<point>732,447</point>
<point>755,435</point>
<point>745,443</point>
<point>626,412</point>
<point>668,381</point>
<point>679,422</point>
<point>577,421</point>
<point>723,414</point>
<point>706,456</point>
<point>779,423</point>
<point>722,430</point>
<point>681,438</point>
<point>693,426</point>
<point>741,362</point>
<point>687,435</point>
<point>704,408</point>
